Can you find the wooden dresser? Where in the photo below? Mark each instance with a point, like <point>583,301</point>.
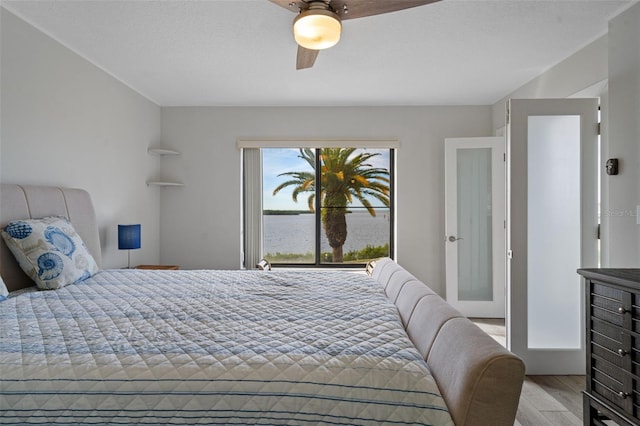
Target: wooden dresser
<point>612,298</point>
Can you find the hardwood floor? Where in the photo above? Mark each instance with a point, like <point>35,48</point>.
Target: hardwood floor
<point>551,400</point>
<point>545,400</point>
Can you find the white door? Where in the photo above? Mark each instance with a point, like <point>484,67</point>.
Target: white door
<point>475,225</point>
<point>551,229</point>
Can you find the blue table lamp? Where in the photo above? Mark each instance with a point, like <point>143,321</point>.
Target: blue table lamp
<point>128,239</point>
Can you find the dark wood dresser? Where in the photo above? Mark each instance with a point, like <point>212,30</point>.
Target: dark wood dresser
<point>612,298</point>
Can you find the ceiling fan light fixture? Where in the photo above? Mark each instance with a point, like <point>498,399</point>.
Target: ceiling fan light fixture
<point>317,29</point>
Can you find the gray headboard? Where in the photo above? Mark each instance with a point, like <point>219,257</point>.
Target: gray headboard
<point>31,202</point>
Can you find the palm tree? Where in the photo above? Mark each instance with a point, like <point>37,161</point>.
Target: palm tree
<point>343,178</point>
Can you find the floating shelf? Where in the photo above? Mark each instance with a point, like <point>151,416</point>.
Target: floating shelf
<point>164,183</point>
<point>163,151</point>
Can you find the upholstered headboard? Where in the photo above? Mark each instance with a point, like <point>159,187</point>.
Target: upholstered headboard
<point>31,202</point>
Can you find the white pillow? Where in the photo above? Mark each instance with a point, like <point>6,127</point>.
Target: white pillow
<point>4,293</point>
<point>49,251</point>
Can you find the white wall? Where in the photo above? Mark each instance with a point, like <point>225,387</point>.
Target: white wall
<point>622,208</point>
<point>581,70</point>
<point>200,222</point>
<point>611,66</point>
<point>66,122</point>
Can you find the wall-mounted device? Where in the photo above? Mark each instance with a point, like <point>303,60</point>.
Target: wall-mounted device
<point>612,166</point>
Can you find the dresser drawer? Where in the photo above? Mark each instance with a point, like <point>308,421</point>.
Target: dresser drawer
<point>600,327</point>
<point>601,367</point>
<point>609,310</point>
<point>610,355</point>
<point>613,384</point>
<point>616,397</point>
<point>607,292</point>
<point>607,386</point>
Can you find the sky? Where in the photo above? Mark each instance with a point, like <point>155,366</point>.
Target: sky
<point>281,160</point>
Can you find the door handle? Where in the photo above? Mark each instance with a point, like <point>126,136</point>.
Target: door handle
<point>454,239</point>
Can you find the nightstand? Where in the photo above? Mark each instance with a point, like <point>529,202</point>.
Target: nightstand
<point>173,267</point>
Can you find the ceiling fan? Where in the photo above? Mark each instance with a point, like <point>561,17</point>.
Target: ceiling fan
<point>318,23</point>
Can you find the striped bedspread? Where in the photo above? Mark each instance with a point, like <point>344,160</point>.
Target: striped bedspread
<point>212,347</point>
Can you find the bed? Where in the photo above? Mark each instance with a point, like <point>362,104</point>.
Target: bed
<point>238,347</point>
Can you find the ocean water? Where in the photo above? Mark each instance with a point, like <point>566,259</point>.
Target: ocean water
<point>296,233</point>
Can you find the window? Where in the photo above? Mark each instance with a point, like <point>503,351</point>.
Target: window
<point>348,222</point>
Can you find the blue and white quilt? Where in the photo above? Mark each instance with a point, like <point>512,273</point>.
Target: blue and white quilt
<point>212,347</point>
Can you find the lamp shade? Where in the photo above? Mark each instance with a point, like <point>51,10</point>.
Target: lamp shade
<point>317,29</point>
<point>128,237</point>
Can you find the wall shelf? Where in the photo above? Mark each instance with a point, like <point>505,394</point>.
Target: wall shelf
<point>163,183</point>
<point>163,151</point>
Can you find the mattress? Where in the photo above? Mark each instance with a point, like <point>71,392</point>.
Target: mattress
<point>212,347</point>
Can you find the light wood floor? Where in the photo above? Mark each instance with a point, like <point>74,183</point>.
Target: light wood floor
<point>545,400</point>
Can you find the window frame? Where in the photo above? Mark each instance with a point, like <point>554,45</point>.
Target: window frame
<point>252,190</point>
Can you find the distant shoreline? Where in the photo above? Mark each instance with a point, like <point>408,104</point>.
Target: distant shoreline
<point>299,212</point>
<point>285,212</point>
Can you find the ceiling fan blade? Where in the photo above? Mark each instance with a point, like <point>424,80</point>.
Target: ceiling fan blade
<point>362,8</point>
<point>293,6</point>
<point>356,8</point>
<point>306,58</point>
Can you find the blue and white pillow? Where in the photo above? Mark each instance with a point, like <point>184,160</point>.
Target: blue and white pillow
<point>4,293</point>
<point>49,251</point>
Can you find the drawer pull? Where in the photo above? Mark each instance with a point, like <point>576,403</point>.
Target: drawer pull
<point>622,352</point>
<point>624,395</point>
<point>622,310</point>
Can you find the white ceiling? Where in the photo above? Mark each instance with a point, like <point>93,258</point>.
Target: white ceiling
<point>242,53</point>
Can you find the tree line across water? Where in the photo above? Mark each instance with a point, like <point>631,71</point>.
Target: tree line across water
<point>359,256</point>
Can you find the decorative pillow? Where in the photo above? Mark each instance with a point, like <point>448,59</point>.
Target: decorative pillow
<point>4,293</point>
<point>49,251</point>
